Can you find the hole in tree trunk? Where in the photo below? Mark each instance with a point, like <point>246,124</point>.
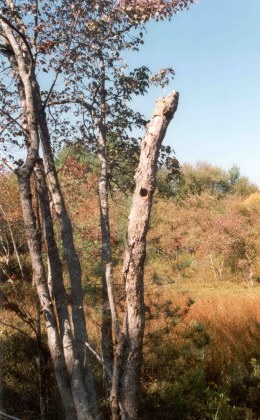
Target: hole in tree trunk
<point>143,192</point>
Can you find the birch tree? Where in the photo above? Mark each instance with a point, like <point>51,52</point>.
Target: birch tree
<point>57,38</point>
<point>99,91</point>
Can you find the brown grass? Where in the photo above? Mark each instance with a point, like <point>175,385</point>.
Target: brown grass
<point>230,315</point>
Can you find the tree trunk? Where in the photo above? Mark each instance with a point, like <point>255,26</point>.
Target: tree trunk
<point>39,362</point>
<point>107,268</point>
<point>133,271</point>
<point>40,281</point>
<point>109,311</point>
<point>73,366</point>
<point>23,70</point>
<point>23,67</point>
<point>106,260</point>
<point>78,316</point>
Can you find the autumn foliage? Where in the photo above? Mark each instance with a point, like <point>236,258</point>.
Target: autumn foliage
<point>201,290</point>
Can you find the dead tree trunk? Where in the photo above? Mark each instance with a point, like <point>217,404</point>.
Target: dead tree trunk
<point>133,271</point>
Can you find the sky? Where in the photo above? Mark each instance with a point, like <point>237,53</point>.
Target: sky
<point>214,48</point>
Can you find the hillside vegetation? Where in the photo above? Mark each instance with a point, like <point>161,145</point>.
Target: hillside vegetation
<point>202,291</point>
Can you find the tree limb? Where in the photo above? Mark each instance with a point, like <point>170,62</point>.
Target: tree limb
<point>99,359</point>
<point>21,35</point>
<point>7,416</point>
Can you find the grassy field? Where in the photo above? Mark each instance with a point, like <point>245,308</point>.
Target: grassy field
<point>202,338</point>
<point>204,362</point>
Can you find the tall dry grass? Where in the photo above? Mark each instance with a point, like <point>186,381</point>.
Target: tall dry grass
<point>230,317</point>
<point>233,324</point>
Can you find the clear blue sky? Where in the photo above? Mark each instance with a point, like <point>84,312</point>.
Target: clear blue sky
<point>215,51</point>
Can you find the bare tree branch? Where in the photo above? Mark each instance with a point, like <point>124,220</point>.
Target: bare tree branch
<point>99,359</point>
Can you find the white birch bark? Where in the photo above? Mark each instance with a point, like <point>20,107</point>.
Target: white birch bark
<point>24,72</point>
<point>73,263</point>
<point>72,364</point>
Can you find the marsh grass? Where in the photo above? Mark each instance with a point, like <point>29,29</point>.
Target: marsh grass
<point>202,352</point>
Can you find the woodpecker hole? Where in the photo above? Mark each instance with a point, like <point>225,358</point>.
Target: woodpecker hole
<point>143,192</point>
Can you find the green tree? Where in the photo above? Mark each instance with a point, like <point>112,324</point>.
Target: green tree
<point>204,177</point>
